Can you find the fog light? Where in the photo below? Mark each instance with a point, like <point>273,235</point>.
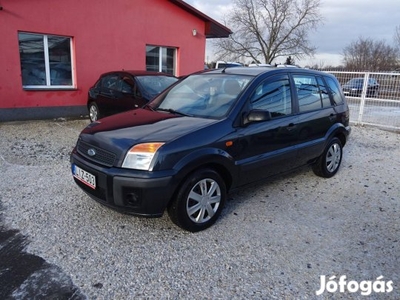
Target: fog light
<point>133,198</point>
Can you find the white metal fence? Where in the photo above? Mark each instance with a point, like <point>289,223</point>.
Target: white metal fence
<point>380,107</point>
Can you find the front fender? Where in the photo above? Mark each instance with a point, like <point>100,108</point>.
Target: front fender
<point>215,158</point>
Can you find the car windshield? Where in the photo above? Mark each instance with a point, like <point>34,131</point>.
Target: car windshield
<point>356,81</point>
<point>205,95</point>
<point>155,84</point>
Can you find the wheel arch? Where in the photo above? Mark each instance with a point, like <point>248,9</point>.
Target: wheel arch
<point>339,131</point>
<point>216,162</point>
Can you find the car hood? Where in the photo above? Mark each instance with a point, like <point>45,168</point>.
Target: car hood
<point>118,133</point>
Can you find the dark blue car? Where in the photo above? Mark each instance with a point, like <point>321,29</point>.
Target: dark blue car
<point>354,87</point>
<point>210,134</point>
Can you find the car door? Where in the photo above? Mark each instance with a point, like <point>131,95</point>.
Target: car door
<point>130,96</point>
<point>316,115</point>
<point>110,87</point>
<point>267,147</point>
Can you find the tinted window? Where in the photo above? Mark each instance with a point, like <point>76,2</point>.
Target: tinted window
<point>274,96</point>
<point>155,84</point>
<point>335,91</point>
<point>127,85</point>
<point>326,102</point>
<point>110,82</point>
<point>372,81</point>
<point>308,92</point>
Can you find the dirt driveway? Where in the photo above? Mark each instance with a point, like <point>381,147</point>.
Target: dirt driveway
<point>273,241</point>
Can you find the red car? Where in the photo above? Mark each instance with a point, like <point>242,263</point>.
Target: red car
<point>120,91</point>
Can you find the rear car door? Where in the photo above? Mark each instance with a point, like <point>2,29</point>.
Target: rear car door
<point>267,147</point>
<point>316,115</point>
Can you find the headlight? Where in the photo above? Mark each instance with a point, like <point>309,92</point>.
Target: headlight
<point>140,156</point>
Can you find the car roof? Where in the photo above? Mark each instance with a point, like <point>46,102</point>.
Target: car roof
<point>137,73</point>
<point>255,71</point>
<point>241,70</point>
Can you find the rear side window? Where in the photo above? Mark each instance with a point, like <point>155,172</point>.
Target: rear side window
<point>326,101</point>
<point>335,91</point>
<point>111,82</point>
<point>312,92</point>
<point>273,95</point>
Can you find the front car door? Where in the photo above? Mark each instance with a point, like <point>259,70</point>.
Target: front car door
<point>267,147</point>
<point>130,96</point>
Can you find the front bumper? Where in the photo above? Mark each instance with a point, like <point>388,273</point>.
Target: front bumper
<point>134,192</point>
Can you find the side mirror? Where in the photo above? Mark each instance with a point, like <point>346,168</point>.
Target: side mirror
<point>257,115</point>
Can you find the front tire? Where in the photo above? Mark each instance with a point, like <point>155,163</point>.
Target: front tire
<point>94,112</point>
<point>199,201</point>
<point>328,163</point>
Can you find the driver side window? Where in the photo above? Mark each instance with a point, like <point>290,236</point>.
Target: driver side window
<point>127,85</point>
<point>274,96</point>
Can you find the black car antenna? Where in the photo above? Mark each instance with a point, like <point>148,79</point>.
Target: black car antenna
<point>226,65</point>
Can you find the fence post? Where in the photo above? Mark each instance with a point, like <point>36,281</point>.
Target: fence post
<point>363,97</point>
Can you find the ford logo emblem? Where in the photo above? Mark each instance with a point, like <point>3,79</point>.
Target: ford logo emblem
<point>91,152</point>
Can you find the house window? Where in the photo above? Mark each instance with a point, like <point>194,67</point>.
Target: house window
<point>160,59</point>
<point>45,61</point>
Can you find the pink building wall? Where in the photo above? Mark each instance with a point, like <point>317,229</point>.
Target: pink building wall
<point>107,35</point>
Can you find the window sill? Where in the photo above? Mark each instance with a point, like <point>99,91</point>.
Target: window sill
<point>49,88</point>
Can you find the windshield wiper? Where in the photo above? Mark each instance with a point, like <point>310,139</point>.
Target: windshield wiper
<point>173,111</point>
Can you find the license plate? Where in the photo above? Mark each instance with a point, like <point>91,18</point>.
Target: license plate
<point>84,176</point>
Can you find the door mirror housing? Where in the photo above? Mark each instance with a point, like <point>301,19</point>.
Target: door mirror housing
<point>257,115</point>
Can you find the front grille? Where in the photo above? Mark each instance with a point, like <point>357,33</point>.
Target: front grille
<point>101,156</point>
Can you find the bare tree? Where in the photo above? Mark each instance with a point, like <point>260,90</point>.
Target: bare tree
<point>267,29</point>
<point>369,55</point>
<point>397,36</point>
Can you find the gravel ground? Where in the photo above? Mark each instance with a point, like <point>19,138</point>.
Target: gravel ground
<point>273,240</point>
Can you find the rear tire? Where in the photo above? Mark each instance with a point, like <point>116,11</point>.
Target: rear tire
<point>199,201</point>
<point>94,112</point>
<point>328,163</point>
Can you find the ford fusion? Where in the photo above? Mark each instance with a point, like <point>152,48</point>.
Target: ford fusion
<point>209,134</point>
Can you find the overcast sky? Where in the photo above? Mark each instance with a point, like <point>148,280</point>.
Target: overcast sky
<point>344,22</point>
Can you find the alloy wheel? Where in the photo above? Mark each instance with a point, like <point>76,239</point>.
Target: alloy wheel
<point>203,200</point>
<point>333,157</point>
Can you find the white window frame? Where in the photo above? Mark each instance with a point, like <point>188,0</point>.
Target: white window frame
<point>160,56</point>
<point>48,85</point>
